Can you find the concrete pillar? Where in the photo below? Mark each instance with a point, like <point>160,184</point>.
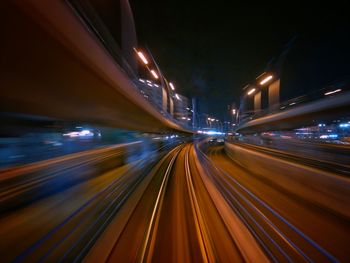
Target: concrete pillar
<point>128,36</point>
<point>274,94</point>
<point>257,101</point>
<point>172,107</point>
<point>165,100</point>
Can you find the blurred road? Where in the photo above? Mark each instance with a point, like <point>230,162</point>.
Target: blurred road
<point>289,226</point>
<point>189,203</point>
<point>175,220</point>
<point>335,154</point>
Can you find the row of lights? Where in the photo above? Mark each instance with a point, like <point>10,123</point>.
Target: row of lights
<point>270,77</point>
<point>152,71</point>
<point>261,83</point>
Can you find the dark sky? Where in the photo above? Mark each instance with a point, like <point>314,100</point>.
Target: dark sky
<point>212,49</point>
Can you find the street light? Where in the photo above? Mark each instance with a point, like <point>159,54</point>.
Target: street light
<point>265,80</point>
<point>172,86</point>
<point>142,57</point>
<point>155,75</point>
<point>251,91</point>
<point>332,92</point>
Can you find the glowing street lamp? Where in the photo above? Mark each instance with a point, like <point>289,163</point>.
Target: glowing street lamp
<point>177,96</point>
<point>155,75</point>
<point>234,111</point>
<point>265,80</point>
<point>142,57</point>
<point>172,86</point>
<point>332,92</point>
<point>251,91</point>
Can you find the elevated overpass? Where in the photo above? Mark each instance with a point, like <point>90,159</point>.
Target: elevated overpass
<point>297,116</point>
<point>73,78</point>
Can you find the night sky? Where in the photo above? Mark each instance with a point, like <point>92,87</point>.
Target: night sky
<point>212,49</point>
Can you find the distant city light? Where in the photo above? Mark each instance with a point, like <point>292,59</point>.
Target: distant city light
<point>332,92</point>
<point>83,133</point>
<point>149,84</point>
<point>251,91</point>
<point>155,75</point>
<point>141,80</point>
<point>210,132</point>
<point>265,80</point>
<point>344,125</point>
<point>293,103</point>
<point>177,96</point>
<point>329,136</point>
<point>233,111</point>
<point>142,57</point>
<point>213,133</point>
<point>172,86</point>
<point>156,85</point>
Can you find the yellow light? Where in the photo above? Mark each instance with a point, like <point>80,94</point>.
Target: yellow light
<point>265,80</point>
<point>172,86</point>
<point>154,74</point>
<point>251,91</point>
<point>142,57</point>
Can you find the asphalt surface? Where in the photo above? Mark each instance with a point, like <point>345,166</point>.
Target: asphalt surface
<point>186,205</point>
<point>288,226</point>
<point>175,220</point>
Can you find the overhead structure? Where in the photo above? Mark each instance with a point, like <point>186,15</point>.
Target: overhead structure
<point>53,65</point>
